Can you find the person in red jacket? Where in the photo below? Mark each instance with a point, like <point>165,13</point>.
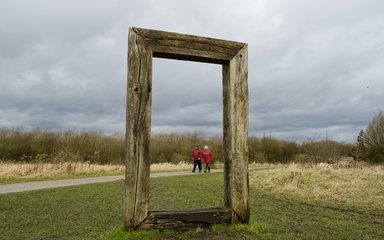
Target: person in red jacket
<point>208,158</point>
<point>197,154</point>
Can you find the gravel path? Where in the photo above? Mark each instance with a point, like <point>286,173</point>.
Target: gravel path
<point>29,186</point>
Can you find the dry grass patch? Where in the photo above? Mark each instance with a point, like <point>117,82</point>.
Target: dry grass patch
<point>166,167</point>
<point>349,188</point>
<point>41,169</point>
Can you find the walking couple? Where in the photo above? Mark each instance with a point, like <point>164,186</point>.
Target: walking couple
<point>198,155</point>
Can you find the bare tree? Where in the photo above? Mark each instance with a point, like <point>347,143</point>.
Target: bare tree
<point>358,151</point>
<point>374,139</point>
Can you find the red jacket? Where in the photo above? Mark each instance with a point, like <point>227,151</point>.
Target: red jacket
<point>197,154</point>
<point>208,156</point>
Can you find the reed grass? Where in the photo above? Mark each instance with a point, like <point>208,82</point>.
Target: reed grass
<point>42,169</point>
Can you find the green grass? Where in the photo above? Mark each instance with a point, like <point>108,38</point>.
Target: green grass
<point>194,191</point>
<point>95,211</point>
<point>218,232</point>
<point>79,212</point>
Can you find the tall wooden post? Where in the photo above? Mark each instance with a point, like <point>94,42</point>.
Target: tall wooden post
<point>235,102</point>
<point>143,44</point>
<point>138,129</point>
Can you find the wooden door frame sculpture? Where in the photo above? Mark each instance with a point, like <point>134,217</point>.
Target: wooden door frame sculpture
<point>143,45</point>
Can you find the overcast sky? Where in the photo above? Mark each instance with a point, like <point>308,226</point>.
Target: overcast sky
<point>316,68</point>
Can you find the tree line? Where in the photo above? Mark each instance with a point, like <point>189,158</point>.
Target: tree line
<point>40,145</point>
<point>46,146</point>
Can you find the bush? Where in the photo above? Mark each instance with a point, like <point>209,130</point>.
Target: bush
<point>325,151</point>
<point>277,151</point>
<point>18,145</point>
<point>177,147</point>
<point>373,139</point>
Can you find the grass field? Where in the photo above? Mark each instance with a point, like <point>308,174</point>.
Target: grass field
<point>287,202</point>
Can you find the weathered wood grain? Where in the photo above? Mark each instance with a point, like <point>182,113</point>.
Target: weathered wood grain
<point>138,126</point>
<point>188,40</point>
<point>235,123</point>
<point>186,218</point>
<point>188,47</point>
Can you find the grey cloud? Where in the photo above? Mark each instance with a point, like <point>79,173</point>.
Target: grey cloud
<point>313,67</point>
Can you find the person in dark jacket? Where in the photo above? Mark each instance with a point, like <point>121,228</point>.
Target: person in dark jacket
<point>197,154</point>
<point>208,158</point>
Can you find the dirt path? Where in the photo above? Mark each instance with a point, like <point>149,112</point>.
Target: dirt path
<point>29,186</point>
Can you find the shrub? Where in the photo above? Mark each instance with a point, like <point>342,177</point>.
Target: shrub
<point>277,151</point>
<point>39,145</point>
<point>373,139</point>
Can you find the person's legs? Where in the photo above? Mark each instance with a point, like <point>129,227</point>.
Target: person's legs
<point>194,165</point>
<point>199,165</point>
<point>209,168</point>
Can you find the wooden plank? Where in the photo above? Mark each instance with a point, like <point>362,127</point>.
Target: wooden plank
<point>190,55</point>
<point>138,125</point>
<point>235,101</point>
<point>188,47</point>
<point>186,40</point>
<point>183,219</point>
<point>212,46</point>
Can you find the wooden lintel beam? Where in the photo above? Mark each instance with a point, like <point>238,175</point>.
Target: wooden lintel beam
<point>188,47</point>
